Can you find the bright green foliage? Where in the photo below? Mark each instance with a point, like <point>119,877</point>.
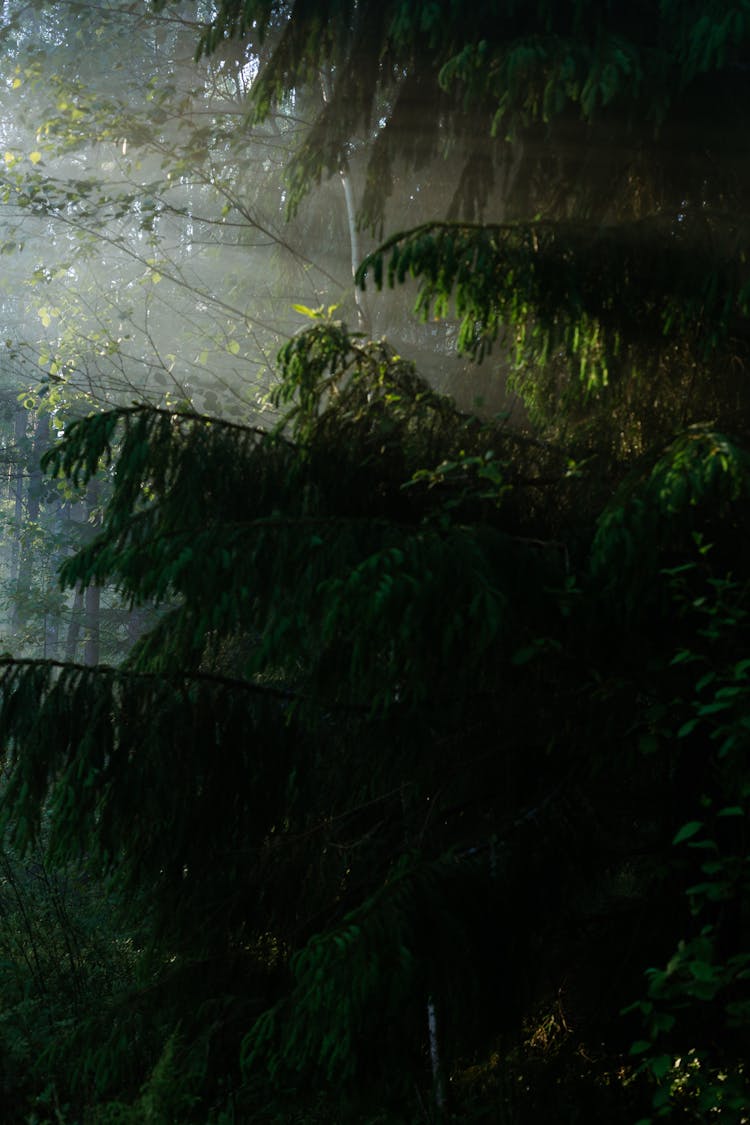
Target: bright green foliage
<point>611,299</point>
<point>588,313</point>
<point>612,267</point>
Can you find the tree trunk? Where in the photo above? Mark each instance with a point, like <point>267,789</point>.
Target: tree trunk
<point>24,562</point>
<point>92,594</point>
<point>16,485</point>
<point>363,316</point>
<point>92,600</point>
<point>74,627</point>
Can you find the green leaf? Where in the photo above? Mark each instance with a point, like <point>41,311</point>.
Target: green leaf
<point>687,831</point>
<point>660,1066</point>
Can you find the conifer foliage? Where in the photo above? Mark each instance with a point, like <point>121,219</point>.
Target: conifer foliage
<point>438,716</point>
<point>264,761</point>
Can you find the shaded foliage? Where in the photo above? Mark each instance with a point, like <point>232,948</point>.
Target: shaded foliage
<point>363,735</point>
<point>439,717</point>
<point>634,74</point>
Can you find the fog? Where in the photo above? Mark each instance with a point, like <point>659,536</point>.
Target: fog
<point>146,240</point>
<point>150,255</point>
<point>145,245</point>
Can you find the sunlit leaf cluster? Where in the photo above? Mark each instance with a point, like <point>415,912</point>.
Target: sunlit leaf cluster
<point>610,300</point>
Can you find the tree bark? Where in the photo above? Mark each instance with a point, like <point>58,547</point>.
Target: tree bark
<point>16,486</point>
<point>363,316</point>
<point>74,627</point>
<point>92,600</point>
<point>24,560</point>
<point>92,593</point>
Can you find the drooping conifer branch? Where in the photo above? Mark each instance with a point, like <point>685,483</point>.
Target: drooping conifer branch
<point>611,297</point>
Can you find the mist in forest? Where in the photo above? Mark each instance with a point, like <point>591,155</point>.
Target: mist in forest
<point>151,256</point>
<point>148,256</point>
<point>148,247</point>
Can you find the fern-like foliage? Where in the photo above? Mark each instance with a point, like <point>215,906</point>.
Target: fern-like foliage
<point>689,505</point>
<point>361,979</point>
<point>302,573</point>
<point>510,71</point>
<point>295,720</point>
<point>611,298</point>
<point>388,629</point>
<point>380,637</point>
<point>97,754</point>
<point>356,1007</point>
<point>298,543</point>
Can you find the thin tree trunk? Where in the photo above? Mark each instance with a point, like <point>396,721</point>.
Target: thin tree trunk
<point>351,219</point>
<point>438,1090</point>
<point>356,253</point>
<point>51,637</point>
<point>92,594</point>
<point>24,565</point>
<point>92,599</point>
<point>19,434</point>
<point>74,627</point>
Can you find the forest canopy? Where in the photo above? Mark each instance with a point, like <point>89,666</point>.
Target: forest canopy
<point>422,793</point>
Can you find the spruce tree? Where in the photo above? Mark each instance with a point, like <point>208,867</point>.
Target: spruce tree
<point>435,709</point>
